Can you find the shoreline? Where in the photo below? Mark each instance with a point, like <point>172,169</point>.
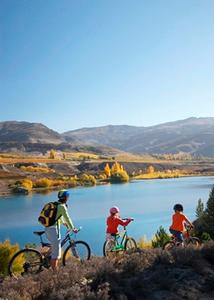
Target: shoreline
<point>4,192</point>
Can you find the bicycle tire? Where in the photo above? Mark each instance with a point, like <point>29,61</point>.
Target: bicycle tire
<point>130,244</point>
<point>168,245</point>
<point>108,244</point>
<point>20,265</point>
<point>75,245</point>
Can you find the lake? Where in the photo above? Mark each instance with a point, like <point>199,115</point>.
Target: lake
<point>149,202</point>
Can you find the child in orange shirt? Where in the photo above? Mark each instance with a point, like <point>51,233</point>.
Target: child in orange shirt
<point>179,220</point>
<point>113,221</point>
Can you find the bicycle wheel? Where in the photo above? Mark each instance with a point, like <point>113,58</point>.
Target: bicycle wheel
<point>169,245</point>
<point>193,242</point>
<point>108,246</point>
<point>24,262</point>
<point>130,244</point>
<point>78,250</point>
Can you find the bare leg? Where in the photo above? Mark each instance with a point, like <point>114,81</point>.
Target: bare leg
<point>54,263</point>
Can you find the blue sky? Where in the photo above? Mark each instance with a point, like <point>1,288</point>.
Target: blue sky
<point>71,64</point>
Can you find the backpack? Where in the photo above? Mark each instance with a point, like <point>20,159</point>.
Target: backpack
<point>48,214</point>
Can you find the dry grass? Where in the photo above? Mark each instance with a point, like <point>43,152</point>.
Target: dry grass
<point>145,274</point>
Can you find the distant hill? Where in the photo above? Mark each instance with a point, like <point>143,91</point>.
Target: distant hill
<point>35,137</point>
<point>25,132</point>
<point>192,135</point>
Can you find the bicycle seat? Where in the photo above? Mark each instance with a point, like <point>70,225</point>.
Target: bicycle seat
<point>39,232</point>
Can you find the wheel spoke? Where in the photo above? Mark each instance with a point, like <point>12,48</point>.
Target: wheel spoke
<point>27,261</point>
<point>108,247</point>
<point>78,251</point>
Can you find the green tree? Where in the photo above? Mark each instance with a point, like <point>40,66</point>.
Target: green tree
<point>161,237</point>
<point>200,209</point>
<point>209,214</point>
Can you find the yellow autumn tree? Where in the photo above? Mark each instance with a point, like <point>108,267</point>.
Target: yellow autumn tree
<point>150,170</point>
<point>115,168</point>
<point>107,170</point>
<point>118,174</point>
<point>52,154</point>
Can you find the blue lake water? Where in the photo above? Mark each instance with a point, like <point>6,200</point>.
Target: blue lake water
<point>149,202</point>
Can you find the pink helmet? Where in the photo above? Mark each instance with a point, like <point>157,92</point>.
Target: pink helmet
<point>114,210</point>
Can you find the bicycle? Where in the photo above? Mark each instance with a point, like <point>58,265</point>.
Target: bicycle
<point>114,245</point>
<point>33,261</point>
<point>189,240</point>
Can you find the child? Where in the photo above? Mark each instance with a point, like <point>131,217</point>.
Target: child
<point>113,221</point>
<point>179,220</point>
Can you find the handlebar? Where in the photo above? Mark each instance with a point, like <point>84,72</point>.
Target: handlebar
<point>188,227</point>
<point>126,219</point>
<point>72,231</point>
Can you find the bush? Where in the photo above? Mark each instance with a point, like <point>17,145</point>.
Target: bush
<point>146,274</point>
<point>36,169</point>
<point>6,252</point>
<point>119,177</point>
<point>27,184</point>
<point>42,183</point>
<point>72,182</point>
<point>161,237</point>
<point>88,180</point>
<point>143,243</point>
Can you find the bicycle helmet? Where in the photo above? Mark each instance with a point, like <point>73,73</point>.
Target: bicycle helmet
<point>114,210</point>
<point>178,207</point>
<point>63,194</point>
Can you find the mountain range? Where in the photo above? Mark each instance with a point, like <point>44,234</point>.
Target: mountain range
<point>192,135</point>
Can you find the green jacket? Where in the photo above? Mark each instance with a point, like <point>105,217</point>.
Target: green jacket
<point>63,216</point>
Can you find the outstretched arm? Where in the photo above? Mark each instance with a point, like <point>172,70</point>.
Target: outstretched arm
<point>188,221</point>
<point>124,222</point>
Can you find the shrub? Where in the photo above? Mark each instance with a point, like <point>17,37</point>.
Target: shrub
<point>6,252</point>
<point>36,169</point>
<point>143,243</point>
<point>27,184</point>
<point>42,183</point>
<point>72,182</point>
<point>102,177</point>
<point>161,237</point>
<point>88,180</point>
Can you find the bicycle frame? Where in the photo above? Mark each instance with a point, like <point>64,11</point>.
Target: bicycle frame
<point>63,242</point>
<point>120,245</point>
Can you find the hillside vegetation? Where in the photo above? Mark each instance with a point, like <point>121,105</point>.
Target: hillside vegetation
<point>145,274</point>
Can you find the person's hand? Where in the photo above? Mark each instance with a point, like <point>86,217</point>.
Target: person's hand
<point>130,219</point>
<point>75,230</point>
